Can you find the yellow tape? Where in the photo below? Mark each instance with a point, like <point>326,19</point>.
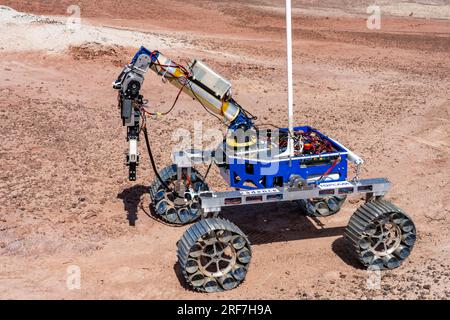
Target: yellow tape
<point>178,73</point>
<point>232,143</point>
<point>225,106</point>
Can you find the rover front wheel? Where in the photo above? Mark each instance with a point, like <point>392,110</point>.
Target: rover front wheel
<point>214,255</point>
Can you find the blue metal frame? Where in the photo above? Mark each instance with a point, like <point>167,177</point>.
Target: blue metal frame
<point>144,51</point>
<point>251,175</point>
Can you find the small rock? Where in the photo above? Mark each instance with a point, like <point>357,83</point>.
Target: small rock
<point>90,215</point>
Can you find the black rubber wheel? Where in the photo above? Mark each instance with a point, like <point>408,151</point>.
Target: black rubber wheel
<point>381,235</point>
<point>322,207</point>
<point>172,208</point>
<point>214,255</point>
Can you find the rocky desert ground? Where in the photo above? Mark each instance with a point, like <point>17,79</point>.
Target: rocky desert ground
<point>65,197</point>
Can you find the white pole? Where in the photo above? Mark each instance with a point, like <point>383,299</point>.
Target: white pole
<point>289,71</point>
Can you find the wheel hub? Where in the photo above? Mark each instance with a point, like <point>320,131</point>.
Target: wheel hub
<point>386,239</point>
<point>218,258</point>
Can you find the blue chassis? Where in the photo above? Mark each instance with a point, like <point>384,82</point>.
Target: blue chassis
<point>242,178</point>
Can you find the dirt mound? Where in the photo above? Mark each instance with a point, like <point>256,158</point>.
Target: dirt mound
<point>117,55</point>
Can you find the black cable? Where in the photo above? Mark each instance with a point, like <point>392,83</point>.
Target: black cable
<point>247,113</point>
<point>158,218</point>
<point>152,160</point>
<point>204,107</point>
<point>207,171</point>
<point>174,103</point>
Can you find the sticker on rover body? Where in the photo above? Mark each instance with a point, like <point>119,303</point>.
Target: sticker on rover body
<point>261,191</point>
<point>333,185</point>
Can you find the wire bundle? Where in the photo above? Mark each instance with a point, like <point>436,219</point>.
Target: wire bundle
<point>307,143</point>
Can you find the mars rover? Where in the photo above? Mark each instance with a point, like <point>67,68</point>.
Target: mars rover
<point>296,164</point>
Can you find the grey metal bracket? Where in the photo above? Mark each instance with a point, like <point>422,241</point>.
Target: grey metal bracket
<point>215,201</point>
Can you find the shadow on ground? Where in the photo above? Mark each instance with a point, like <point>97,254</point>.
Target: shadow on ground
<point>268,223</point>
<point>340,247</point>
<point>278,223</point>
<point>131,198</point>
<point>261,223</point>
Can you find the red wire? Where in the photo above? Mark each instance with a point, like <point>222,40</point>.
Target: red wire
<point>176,65</point>
<point>330,169</point>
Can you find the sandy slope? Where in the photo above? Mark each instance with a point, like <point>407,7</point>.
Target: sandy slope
<point>63,187</point>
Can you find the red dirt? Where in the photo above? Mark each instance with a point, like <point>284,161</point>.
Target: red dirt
<point>66,200</point>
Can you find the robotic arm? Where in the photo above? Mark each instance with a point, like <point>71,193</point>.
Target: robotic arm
<point>197,80</point>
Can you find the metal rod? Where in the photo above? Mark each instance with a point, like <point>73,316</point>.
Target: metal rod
<point>289,71</point>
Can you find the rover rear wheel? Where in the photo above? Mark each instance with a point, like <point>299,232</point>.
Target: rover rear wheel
<point>214,255</point>
<point>173,207</point>
<point>322,207</point>
<point>382,235</point>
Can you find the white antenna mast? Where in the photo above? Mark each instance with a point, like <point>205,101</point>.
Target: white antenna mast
<point>290,148</point>
<point>289,65</point>
<point>290,152</point>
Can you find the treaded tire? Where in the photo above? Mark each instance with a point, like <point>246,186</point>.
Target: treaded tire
<point>381,235</point>
<point>163,201</point>
<point>214,255</point>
